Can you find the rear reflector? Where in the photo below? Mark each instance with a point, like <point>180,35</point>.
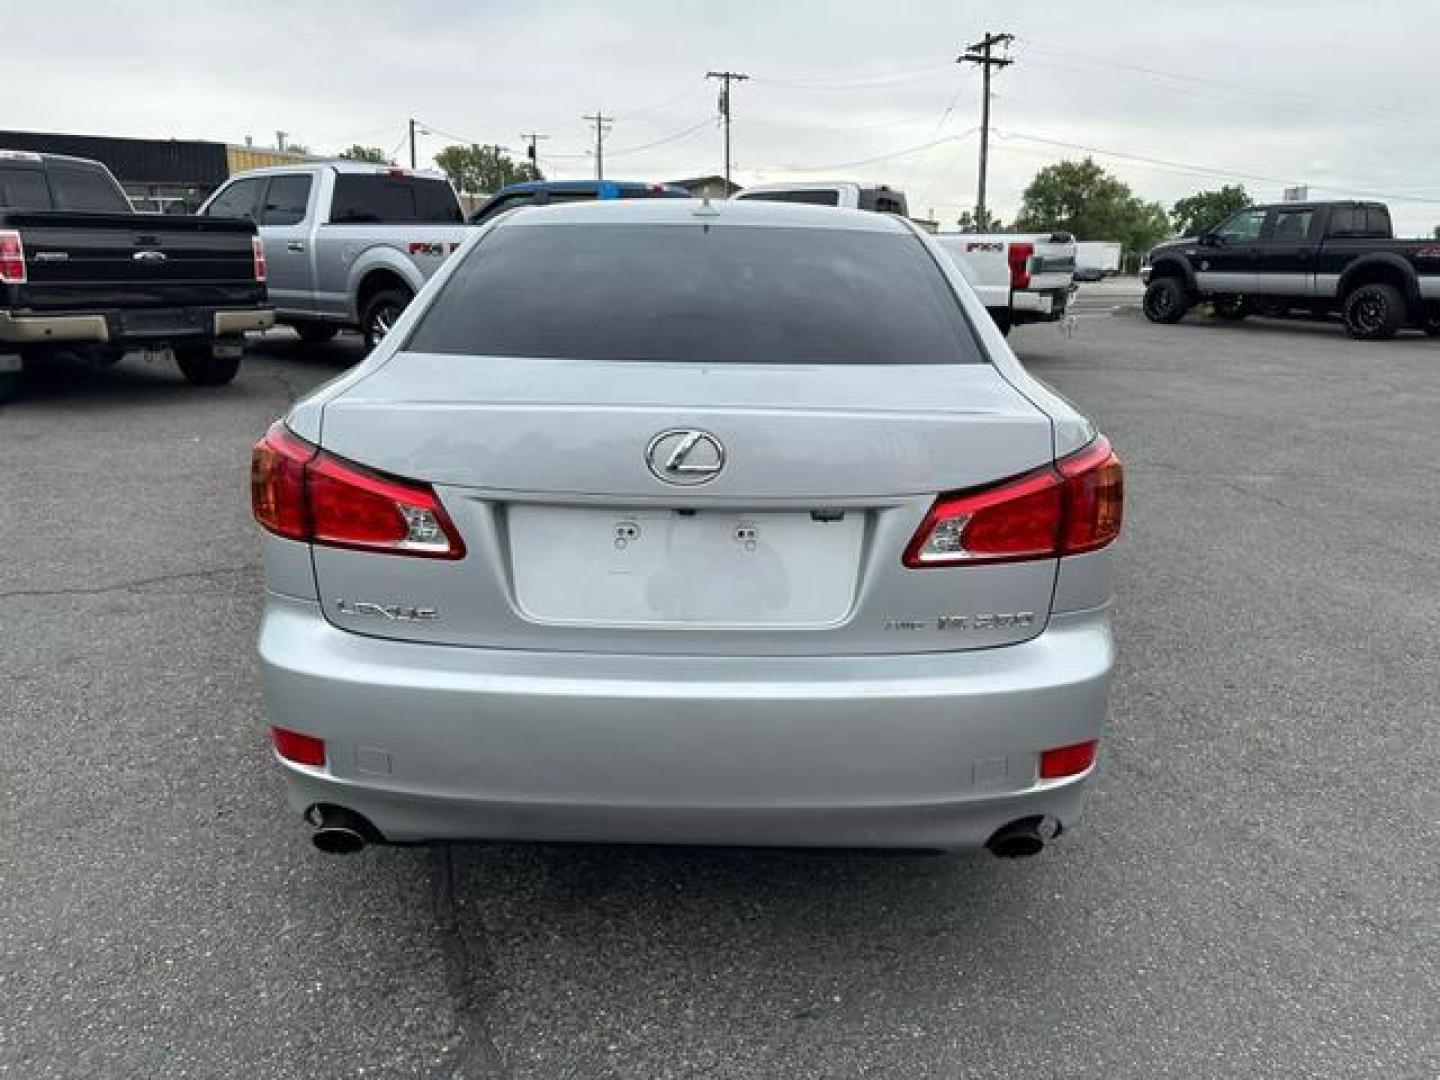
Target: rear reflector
<point>302,493</point>
<point>1072,507</point>
<point>12,258</point>
<point>301,749</point>
<point>1065,761</point>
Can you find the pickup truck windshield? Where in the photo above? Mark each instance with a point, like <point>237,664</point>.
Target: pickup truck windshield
<point>699,293</point>
<point>378,198</point>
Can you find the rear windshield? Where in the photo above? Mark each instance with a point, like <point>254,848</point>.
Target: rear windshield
<point>699,293</point>
<point>379,198</point>
<point>817,197</point>
<point>23,187</point>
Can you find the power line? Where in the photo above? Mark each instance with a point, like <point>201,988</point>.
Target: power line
<point>982,54</point>
<point>726,78</point>
<point>879,157</point>
<point>661,142</point>
<point>1204,170</point>
<point>602,124</point>
<point>858,82</point>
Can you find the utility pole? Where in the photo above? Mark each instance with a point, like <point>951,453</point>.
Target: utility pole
<point>412,142</point>
<point>602,125</point>
<point>726,78</point>
<point>532,138</point>
<point>980,53</point>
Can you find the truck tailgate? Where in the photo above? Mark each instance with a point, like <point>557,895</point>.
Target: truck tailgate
<point>78,260</point>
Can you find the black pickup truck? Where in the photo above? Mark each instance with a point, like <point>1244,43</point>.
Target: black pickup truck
<point>81,271</point>
<point>1312,258</point>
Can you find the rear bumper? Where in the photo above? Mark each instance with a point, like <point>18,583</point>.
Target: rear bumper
<point>112,327</point>
<point>1039,305</point>
<point>928,750</point>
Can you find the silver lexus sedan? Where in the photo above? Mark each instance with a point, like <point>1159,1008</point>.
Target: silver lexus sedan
<point>664,521</point>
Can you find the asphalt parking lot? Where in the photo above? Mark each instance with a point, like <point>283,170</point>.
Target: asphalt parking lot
<point>1254,891</point>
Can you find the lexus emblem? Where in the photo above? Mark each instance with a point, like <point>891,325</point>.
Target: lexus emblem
<point>685,456</point>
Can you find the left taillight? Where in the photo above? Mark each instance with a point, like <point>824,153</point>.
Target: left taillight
<point>303,493</point>
<point>1019,256</point>
<point>12,258</point>
<point>1073,507</point>
<point>257,253</point>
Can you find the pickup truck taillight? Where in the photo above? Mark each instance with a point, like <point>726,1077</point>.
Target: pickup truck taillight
<point>12,258</point>
<point>1072,507</point>
<point>1020,265</point>
<point>257,251</point>
<point>300,492</point>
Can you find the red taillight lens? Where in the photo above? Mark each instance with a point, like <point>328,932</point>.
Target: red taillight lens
<point>1020,265</point>
<point>257,251</point>
<point>1063,761</point>
<point>277,482</point>
<point>301,749</point>
<point>353,507</point>
<point>1094,497</point>
<point>12,258</point>
<point>302,493</point>
<point>1074,507</point>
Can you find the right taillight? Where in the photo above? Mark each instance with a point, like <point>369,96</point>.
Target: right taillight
<point>303,493</point>
<point>12,258</point>
<point>257,255</point>
<point>1074,507</point>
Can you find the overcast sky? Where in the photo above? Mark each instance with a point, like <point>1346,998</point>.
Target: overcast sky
<point>1337,95</point>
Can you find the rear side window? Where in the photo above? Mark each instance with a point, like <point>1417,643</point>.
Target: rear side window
<point>699,293</point>
<point>379,198</point>
<point>285,200</point>
<point>23,188</point>
<point>237,200</point>
<point>817,197</point>
<point>85,188</point>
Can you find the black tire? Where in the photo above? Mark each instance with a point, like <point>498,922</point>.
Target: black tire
<point>1165,300</point>
<point>381,312</point>
<point>201,367</point>
<point>1431,325</point>
<point>1231,308</point>
<point>1374,312</point>
<point>1002,320</point>
<point>315,333</point>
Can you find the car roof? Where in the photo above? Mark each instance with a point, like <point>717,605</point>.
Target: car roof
<point>703,211</point>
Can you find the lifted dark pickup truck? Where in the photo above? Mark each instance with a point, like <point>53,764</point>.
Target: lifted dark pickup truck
<point>81,271</point>
<point>1315,258</point>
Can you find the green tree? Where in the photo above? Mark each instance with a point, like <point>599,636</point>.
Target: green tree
<point>476,169</point>
<point>1082,198</point>
<point>1206,209</point>
<point>976,221</point>
<point>372,154</point>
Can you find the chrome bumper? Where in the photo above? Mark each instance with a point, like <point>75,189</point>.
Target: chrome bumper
<point>42,329</point>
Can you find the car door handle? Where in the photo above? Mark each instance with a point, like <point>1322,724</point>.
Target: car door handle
<point>295,245</point>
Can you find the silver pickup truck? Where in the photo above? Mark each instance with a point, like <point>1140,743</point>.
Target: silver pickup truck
<point>346,244</point>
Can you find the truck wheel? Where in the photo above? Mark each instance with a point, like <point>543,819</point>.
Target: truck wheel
<point>1231,308</point>
<point>1165,301</point>
<point>315,333</point>
<point>1002,320</point>
<point>11,367</point>
<point>1374,312</point>
<point>1431,326</point>
<point>381,312</point>
<point>200,365</point>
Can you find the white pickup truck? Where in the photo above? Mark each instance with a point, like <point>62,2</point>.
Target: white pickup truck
<point>1019,277</point>
<point>346,244</point>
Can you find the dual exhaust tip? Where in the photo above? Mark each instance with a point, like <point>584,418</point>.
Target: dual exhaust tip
<point>343,832</point>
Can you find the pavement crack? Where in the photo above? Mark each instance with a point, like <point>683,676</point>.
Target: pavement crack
<point>137,585</point>
<point>468,968</point>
